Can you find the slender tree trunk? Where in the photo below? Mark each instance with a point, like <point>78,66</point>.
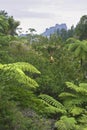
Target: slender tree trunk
<point>81,62</point>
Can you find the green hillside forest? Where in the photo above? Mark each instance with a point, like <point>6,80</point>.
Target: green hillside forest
<point>43,80</point>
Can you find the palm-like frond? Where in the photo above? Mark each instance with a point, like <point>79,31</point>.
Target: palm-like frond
<point>73,46</point>
<point>76,111</point>
<point>78,47</point>
<point>66,123</point>
<point>19,86</point>
<point>83,121</point>
<point>24,67</point>
<point>15,73</point>
<point>83,85</point>
<point>84,45</point>
<point>53,105</point>
<point>67,95</point>
<point>75,101</point>
<point>76,88</point>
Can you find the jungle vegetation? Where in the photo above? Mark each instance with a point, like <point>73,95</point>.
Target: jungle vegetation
<point>43,82</point>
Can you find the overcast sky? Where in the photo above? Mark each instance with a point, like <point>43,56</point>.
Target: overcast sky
<point>41,14</point>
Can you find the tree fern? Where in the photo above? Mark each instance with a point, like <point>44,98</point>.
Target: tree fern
<point>13,80</point>
<point>77,95</point>
<point>75,98</point>
<point>79,49</point>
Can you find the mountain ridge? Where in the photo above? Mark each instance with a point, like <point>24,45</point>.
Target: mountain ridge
<point>53,29</point>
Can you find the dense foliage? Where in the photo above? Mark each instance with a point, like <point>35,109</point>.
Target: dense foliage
<point>43,81</point>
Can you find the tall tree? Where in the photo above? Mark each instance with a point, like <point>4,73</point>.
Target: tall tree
<point>71,32</point>
<point>81,28</point>
<point>79,48</point>
<point>4,13</point>
<point>7,24</point>
<point>13,24</point>
<point>3,24</point>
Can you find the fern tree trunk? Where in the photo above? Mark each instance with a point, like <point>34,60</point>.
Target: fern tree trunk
<point>84,68</point>
<point>81,62</point>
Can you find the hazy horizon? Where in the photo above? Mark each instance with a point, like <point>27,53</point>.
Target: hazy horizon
<point>41,14</point>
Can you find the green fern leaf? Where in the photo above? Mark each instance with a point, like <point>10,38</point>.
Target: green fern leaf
<point>83,85</point>
<point>55,110</point>
<point>67,95</point>
<point>66,123</point>
<point>76,111</point>
<point>24,67</point>
<point>76,88</point>
<point>52,103</point>
<point>15,73</point>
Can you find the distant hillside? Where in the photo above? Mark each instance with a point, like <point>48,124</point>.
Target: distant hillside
<point>52,30</point>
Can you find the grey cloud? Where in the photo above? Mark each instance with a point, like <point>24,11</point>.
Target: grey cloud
<point>18,8</point>
<point>36,3</point>
<point>23,3</point>
<point>31,14</point>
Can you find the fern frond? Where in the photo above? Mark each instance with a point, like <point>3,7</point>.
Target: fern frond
<point>51,100</point>
<point>84,45</point>
<point>22,78</point>
<point>73,46</point>
<point>83,85</point>
<point>24,67</point>
<point>66,123</point>
<point>71,40</point>
<point>1,65</point>
<point>76,88</point>
<point>70,103</point>
<point>52,103</point>
<point>67,95</point>
<point>55,110</point>
<point>83,122</point>
<point>76,111</point>
<point>79,48</point>
<point>77,51</point>
<point>15,73</point>
<point>83,119</point>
